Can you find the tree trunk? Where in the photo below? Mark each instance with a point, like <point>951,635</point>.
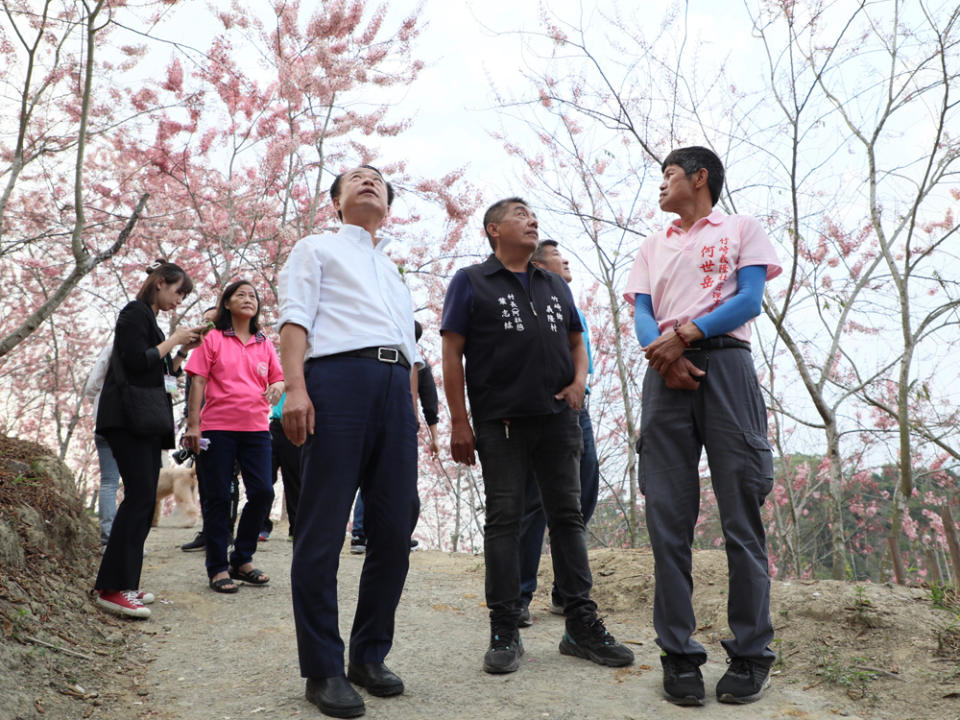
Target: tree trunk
<point>837,535</point>
<point>623,376</point>
<point>897,506</point>
<point>950,530</point>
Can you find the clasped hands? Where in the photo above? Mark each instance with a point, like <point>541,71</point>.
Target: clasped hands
<point>665,355</point>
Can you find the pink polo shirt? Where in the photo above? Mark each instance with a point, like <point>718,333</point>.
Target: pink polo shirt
<point>237,377</point>
<point>689,274</point>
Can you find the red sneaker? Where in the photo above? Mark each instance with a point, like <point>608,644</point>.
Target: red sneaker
<point>122,602</point>
<point>145,598</point>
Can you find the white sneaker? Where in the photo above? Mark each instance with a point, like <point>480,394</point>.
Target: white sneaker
<point>122,602</point>
<point>146,598</point>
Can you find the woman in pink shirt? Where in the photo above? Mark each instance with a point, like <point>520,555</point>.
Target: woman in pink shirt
<point>236,378</point>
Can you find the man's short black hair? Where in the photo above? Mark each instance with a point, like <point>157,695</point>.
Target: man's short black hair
<point>542,249</point>
<point>495,213</point>
<point>335,188</point>
<point>691,159</point>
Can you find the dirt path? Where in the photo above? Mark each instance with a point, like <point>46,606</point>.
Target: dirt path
<point>233,657</point>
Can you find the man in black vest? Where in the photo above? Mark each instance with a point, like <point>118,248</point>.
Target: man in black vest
<point>526,365</point>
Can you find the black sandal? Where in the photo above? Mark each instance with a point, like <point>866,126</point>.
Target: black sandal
<point>254,577</point>
<point>223,585</point>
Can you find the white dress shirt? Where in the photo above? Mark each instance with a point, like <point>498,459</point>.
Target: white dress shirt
<point>347,294</point>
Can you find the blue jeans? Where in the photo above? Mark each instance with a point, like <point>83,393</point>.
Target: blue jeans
<point>535,522</point>
<point>251,450</point>
<point>358,517</point>
<point>109,484</point>
<point>549,447</point>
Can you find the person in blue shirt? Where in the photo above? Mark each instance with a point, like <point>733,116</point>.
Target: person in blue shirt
<point>285,457</point>
<point>548,257</point>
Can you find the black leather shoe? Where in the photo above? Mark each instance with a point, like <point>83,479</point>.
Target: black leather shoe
<point>335,697</point>
<point>377,678</point>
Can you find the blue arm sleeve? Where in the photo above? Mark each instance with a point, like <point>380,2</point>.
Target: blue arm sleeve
<point>745,305</point>
<point>644,322</point>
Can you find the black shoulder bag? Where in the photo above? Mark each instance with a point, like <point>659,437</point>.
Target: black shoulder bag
<point>147,409</point>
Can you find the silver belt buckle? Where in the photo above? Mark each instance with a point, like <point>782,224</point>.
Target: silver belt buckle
<point>388,355</point>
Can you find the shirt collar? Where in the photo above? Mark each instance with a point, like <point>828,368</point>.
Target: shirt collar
<point>492,265</point>
<point>714,218</point>
<point>361,236</point>
<point>258,336</point>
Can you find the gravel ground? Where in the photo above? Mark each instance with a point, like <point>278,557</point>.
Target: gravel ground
<point>233,657</point>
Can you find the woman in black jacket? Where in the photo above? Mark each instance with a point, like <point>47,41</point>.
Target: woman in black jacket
<point>144,357</point>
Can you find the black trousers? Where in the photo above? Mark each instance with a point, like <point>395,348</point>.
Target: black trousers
<point>286,459</point>
<point>138,458</point>
<point>548,446</point>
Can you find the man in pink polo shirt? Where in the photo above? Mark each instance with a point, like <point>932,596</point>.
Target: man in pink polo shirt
<point>696,288</point>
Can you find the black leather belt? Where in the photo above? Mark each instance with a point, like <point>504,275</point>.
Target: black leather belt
<point>388,355</point>
<point>720,342</point>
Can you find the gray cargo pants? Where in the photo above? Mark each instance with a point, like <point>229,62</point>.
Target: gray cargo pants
<point>727,416</point>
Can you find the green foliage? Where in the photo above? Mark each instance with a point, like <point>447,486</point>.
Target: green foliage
<point>863,608</point>
<point>22,480</point>
<point>778,664</point>
<point>851,674</point>
<point>944,597</point>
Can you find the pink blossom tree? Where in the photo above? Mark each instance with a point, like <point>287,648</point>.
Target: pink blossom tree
<point>864,221</point>
<point>236,145</point>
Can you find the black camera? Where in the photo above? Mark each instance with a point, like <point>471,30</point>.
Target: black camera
<point>182,455</point>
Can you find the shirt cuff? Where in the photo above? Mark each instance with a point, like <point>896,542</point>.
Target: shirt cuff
<point>294,318</point>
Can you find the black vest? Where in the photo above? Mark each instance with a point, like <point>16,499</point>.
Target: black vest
<point>517,347</point>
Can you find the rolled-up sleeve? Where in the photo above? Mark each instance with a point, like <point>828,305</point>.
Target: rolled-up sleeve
<point>299,284</point>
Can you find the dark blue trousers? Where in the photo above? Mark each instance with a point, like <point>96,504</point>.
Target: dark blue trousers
<point>534,521</point>
<point>251,450</point>
<point>726,416</point>
<point>365,437</point>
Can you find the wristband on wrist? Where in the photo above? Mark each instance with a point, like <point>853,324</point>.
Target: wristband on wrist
<point>676,330</point>
<point>181,354</point>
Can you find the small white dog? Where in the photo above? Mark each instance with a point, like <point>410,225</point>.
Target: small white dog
<point>181,482</point>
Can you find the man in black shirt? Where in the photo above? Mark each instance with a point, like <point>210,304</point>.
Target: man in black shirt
<point>526,365</point>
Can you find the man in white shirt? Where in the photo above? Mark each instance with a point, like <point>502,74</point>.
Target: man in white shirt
<point>345,310</point>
